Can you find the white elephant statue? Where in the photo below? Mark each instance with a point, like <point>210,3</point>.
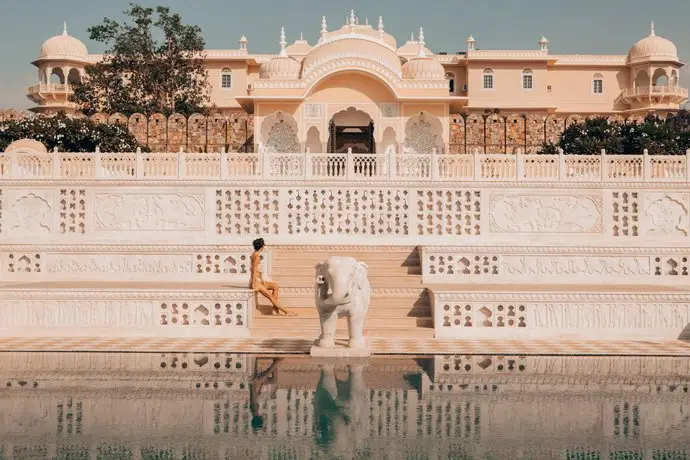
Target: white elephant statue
<point>342,289</point>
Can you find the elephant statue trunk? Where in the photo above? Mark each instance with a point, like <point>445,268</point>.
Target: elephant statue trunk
<point>342,290</point>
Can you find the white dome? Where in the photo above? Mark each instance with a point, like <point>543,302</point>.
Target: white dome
<point>280,68</point>
<point>653,48</point>
<point>64,46</point>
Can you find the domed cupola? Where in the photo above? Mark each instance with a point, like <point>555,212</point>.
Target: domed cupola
<point>281,67</point>
<point>653,49</point>
<point>63,46</point>
<point>423,66</point>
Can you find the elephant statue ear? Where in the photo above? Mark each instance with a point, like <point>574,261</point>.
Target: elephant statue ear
<point>361,274</point>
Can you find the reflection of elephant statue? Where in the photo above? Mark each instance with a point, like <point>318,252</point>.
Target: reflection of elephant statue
<point>342,289</point>
<point>341,408</point>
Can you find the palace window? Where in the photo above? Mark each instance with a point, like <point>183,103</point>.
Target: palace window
<point>598,84</point>
<point>488,79</point>
<point>226,78</point>
<point>527,80</point>
<point>451,82</point>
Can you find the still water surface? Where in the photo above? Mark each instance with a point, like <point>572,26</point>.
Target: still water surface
<point>229,406</point>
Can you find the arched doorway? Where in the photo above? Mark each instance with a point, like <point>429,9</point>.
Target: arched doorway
<point>353,130</point>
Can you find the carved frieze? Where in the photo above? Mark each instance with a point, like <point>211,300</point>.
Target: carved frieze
<point>389,109</point>
<point>590,266</point>
<point>152,264</point>
<point>149,212</point>
<point>76,313</point>
<point>313,110</point>
<point>546,213</point>
<point>619,315</point>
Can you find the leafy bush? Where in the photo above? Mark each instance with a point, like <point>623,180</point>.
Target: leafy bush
<point>547,148</point>
<point>68,134</point>
<point>591,136</point>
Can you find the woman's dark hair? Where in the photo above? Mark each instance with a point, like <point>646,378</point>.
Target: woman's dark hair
<point>258,243</point>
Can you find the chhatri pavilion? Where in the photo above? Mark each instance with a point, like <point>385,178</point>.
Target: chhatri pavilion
<point>357,88</point>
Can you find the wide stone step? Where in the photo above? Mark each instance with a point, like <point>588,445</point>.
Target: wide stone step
<point>306,310</point>
<point>383,281</point>
<point>341,333</point>
<point>312,321</point>
<point>309,269</point>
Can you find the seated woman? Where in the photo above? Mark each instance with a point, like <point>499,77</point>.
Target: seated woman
<point>268,289</point>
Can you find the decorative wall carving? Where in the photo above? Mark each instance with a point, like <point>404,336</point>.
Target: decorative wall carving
<point>447,365</point>
<point>73,210</point>
<point>31,214</point>
<point>546,213</point>
<point>313,110</point>
<point>448,212</point>
<point>670,266</point>
<point>593,266</point>
<point>625,213</point>
<point>149,212</point>
<point>281,138</point>
<point>651,315</point>
<point>76,313</point>
<point>389,110</point>
<point>464,315</point>
<point>351,212</point>
<point>667,213</point>
<point>221,362</point>
<point>247,211</point>
<point>227,314</point>
<point>231,264</point>
<point>462,264</point>
<point>23,263</point>
<point>61,263</point>
<point>423,135</point>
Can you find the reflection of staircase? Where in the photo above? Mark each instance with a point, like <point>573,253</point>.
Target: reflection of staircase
<point>399,306</point>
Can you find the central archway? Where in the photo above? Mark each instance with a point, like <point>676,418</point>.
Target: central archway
<point>351,130</point>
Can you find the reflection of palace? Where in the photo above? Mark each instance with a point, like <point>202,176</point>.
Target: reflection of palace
<point>356,88</point>
<point>198,405</point>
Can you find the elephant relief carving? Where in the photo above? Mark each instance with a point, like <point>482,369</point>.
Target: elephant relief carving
<point>342,290</point>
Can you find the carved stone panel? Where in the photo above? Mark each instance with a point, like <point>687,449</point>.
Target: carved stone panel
<point>667,214</point>
<point>546,214</point>
<point>108,264</point>
<point>77,313</point>
<point>149,212</point>
<point>389,110</point>
<point>247,211</point>
<point>28,213</point>
<point>649,315</point>
<point>313,110</point>
<point>591,266</point>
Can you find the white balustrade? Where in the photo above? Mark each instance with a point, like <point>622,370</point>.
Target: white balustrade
<point>346,166</point>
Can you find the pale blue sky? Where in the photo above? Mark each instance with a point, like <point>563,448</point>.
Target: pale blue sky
<point>572,26</point>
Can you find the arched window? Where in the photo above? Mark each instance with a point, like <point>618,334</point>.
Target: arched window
<point>488,79</point>
<point>226,78</point>
<point>450,76</point>
<point>598,84</point>
<point>527,81</point>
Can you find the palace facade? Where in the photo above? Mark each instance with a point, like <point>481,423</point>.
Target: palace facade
<point>357,88</point>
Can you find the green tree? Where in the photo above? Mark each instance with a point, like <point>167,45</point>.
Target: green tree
<point>152,64</point>
<point>591,136</point>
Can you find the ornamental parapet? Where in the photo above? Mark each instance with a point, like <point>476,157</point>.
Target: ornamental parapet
<point>386,167</point>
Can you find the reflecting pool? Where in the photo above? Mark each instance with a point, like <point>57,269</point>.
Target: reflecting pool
<point>231,406</point>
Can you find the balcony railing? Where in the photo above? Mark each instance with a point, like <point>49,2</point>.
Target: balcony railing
<point>50,88</point>
<point>350,167</point>
<point>657,91</point>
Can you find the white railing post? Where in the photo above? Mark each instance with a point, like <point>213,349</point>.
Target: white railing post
<point>520,165</point>
<point>181,164</point>
<point>98,164</point>
<point>223,164</point>
<point>393,165</point>
<point>434,165</point>
<point>604,166</point>
<point>687,165</point>
<point>646,166</point>
<point>14,166</point>
<point>561,165</point>
<point>56,164</point>
<point>265,165</point>
<point>477,164</point>
<point>138,164</point>
<point>350,165</point>
<point>305,165</point>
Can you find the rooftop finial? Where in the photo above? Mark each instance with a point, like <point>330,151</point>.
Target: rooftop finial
<point>301,36</point>
<point>411,36</point>
<point>651,30</point>
<point>380,24</point>
<point>422,51</point>
<point>352,17</point>
<point>366,20</point>
<point>324,26</point>
<point>282,42</point>
<point>64,28</point>
<point>470,43</point>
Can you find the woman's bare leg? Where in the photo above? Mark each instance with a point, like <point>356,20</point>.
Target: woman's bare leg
<point>276,306</point>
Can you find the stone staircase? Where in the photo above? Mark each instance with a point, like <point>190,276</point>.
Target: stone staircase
<point>399,307</point>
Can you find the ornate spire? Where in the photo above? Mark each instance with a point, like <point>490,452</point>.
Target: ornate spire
<point>64,28</point>
<point>243,43</point>
<point>544,43</point>
<point>380,26</point>
<point>324,28</point>
<point>352,17</point>
<point>652,33</point>
<point>301,36</point>
<point>422,51</point>
<point>411,36</point>
<point>470,43</point>
<point>366,20</point>
<point>283,43</point>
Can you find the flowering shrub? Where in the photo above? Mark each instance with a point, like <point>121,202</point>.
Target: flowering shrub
<point>591,136</point>
<point>68,134</point>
